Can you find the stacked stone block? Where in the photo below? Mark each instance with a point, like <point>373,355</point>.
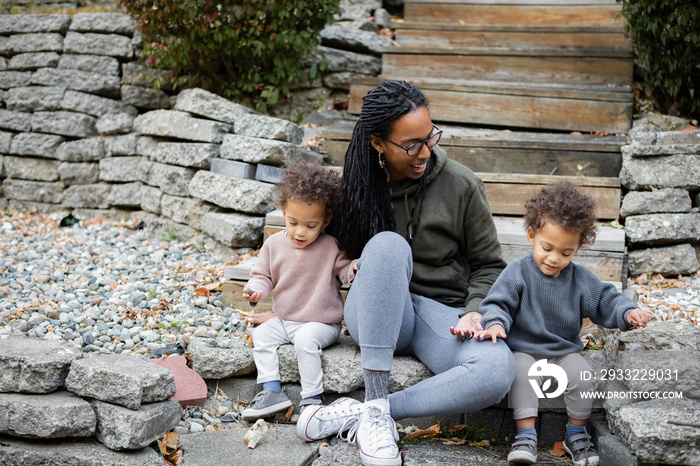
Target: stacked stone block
<point>48,390</point>
<point>661,212</point>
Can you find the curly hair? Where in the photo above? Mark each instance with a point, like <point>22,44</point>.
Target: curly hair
<point>310,183</point>
<point>563,204</point>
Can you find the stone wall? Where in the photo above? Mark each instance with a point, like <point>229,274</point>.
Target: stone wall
<point>661,170</point>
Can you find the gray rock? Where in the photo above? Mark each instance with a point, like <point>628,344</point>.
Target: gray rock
<point>123,169</point>
<point>662,228</point>
<point>343,37</point>
<point>197,155</point>
<point>115,123</point>
<point>22,24</point>
<point>35,98</point>
<point>83,150</point>
<point>70,124</point>
<point>255,150</point>
<point>35,191</point>
<point>672,371</point>
<point>102,22</point>
<point>54,415</point>
<point>322,118</point>
<point>340,80</point>
<point>9,79</point>
<point>382,18</point>
<point>164,228</point>
<point>106,65</point>
<point>247,196</point>
<point>126,195</point>
<point>655,430</point>
<point>119,379</point>
<point>138,75</point>
<point>659,201</point>
<point>342,60</point>
<point>125,429</point>
<point>30,365</point>
<point>78,80</point>
<point>176,124</point>
<point>5,141</point>
<point>356,10</point>
<point>308,100</point>
<point>33,61</point>
<point>233,169</point>
<point>72,173</point>
<point>87,452</point>
<point>234,230</point>
<point>112,45</point>
<point>28,168</point>
<point>148,146</point>
<point>144,97</point>
<point>150,199</point>
<point>664,143</point>
<point>670,171</point>
<point>93,105</point>
<point>32,43</point>
<point>210,105</point>
<point>268,173</point>
<point>667,261</point>
<point>3,63</point>
<point>35,144</point>
<point>170,179</point>
<point>15,121</point>
<point>186,210</point>
<point>87,196</point>
<point>263,126</point>
<point>120,145</point>
<point>218,359</point>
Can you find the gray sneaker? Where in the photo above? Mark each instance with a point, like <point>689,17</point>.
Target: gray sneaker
<point>307,402</point>
<point>266,403</point>
<point>523,450</point>
<point>581,449</point>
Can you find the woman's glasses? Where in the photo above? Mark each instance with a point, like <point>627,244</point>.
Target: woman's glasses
<point>415,148</point>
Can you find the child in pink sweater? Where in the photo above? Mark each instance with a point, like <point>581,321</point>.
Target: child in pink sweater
<point>305,268</point>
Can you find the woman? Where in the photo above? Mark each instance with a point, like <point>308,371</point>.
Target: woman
<point>429,253</point>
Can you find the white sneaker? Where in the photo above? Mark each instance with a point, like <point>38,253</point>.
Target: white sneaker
<point>376,435</point>
<point>317,422</point>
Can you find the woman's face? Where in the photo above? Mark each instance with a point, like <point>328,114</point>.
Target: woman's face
<point>413,127</point>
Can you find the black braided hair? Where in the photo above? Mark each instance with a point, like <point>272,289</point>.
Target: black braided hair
<point>365,206</point>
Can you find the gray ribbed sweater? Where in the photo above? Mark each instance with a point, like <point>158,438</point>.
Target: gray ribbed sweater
<point>543,315</point>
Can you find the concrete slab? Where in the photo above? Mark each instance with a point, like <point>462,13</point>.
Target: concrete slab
<point>280,446</point>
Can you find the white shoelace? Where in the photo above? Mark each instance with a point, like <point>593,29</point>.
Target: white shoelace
<point>383,429</point>
<point>339,419</point>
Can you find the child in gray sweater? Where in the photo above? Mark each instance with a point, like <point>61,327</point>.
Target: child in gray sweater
<point>539,302</point>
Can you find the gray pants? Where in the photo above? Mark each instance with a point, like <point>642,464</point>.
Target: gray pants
<point>384,319</point>
<point>523,398</point>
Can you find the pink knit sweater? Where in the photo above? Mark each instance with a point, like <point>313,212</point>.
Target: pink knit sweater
<point>306,281</point>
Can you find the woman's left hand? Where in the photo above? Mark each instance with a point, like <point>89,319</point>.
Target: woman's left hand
<point>468,324</point>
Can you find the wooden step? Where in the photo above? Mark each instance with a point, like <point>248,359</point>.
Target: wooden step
<point>441,35</point>
<point>488,150</point>
<point>553,65</point>
<point>524,12</point>
<point>525,105</point>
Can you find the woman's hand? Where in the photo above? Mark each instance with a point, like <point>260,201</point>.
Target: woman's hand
<point>469,324</point>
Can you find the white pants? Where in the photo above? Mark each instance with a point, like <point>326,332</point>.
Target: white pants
<point>309,339</point>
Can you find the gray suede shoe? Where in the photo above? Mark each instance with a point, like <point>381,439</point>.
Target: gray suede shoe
<point>266,403</point>
<point>581,449</point>
<point>523,450</point>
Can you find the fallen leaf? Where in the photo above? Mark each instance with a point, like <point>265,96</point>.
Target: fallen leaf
<point>687,128</point>
<point>202,292</point>
<point>112,286</point>
<point>249,342</point>
<point>558,449</point>
<point>213,286</point>
<point>454,442</point>
<point>255,433</point>
<point>422,433</point>
<point>288,414</point>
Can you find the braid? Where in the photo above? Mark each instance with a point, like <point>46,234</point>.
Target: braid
<point>365,207</point>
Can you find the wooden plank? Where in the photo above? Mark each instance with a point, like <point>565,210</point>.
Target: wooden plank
<point>574,15</point>
<point>599,71</point>
<point>552,3</point>
<point>402,25</point>
<point>232,296</point>
<point>270,230</point>
<point>605,265</point>
<point>462,39</point>
<point>519,110</point>
<point>527,51</point>
<point>584,181</point>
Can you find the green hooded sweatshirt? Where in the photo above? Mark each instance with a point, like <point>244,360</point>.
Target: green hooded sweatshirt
<point>456,253</point>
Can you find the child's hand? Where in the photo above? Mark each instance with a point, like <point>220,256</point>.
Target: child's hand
<point>251,295</point>
<point>493,332</point>
<point>467,325</point>
<point>638,318</point>
<point>258,317</point>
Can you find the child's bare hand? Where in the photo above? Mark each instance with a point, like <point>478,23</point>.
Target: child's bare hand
<point>638,318</point>
<point>467,325</point>
<point>493,332</point>
<point>259,317</point>
<point>251,295</point>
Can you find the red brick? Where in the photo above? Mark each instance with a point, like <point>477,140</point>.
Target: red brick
<point>191,390</point>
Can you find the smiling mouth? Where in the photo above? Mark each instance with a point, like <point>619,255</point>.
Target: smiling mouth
<point>419,167</point>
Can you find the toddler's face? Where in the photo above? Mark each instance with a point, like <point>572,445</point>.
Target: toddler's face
<point>304,221</point>
<point>553,247</point>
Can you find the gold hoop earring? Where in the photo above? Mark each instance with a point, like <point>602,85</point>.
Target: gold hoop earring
<point>381,161</point>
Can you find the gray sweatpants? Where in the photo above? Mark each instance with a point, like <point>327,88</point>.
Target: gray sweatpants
<point>523,398</point>
<point>384,319</point>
